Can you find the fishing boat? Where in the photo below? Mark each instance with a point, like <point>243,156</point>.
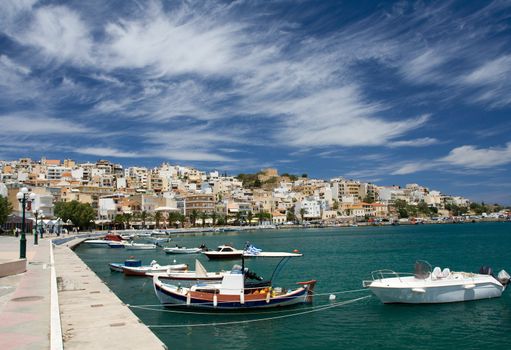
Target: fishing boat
<point>224,252</point>
<point>139,246</point>
<point>234,291</point>
<point>181,250</point>
<point>189,278</point>
<point>118,267</point>
<point>427,286</point>
<point>153,267</point>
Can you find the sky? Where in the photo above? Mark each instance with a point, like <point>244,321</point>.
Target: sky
<point>384,92</point>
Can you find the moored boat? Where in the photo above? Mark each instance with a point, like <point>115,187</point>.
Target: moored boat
<point>234,291</point>
<point>118,267</point>
<point>181,250</point>
<point>224,252</point>
<point>427,286</point>
<point>189,278</point>
<point>139,246</point>
<point>153,267</point>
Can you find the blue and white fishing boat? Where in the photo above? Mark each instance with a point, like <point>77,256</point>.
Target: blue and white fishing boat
<point>118,267</point>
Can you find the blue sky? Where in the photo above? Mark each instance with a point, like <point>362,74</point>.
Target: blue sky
<point>390,92</point>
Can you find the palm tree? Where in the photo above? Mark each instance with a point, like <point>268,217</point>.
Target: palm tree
<point>157,218</point>
<point>172,217</point>
<point>182,219</point>
<point>302,213</point>
<point>193,217</point>
<point>143,217</point>
<point>203,217</point>
<point>250,217</point>
<point>213,217</point>
<point>127,218</point>
<point>238,217</point>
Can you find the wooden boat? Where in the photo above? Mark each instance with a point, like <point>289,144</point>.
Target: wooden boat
<point>438,286</point>
<point>181,250</point>
<point>139,246</point>
<point>234,291</point>
<point>154,267</point>
<point>118,267</point>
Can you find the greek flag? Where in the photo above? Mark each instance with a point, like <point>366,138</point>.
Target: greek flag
<point>252,250</point>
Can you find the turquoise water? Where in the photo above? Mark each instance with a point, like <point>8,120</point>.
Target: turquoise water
<point>339,259</point>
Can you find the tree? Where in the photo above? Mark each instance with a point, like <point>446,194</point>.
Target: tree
<point>5,209</point>
<point>213,217</point>
<point>250,216</point>
<point>172,217</point>
<point>182,219</point>
<point>157,218</point>
<point>193,217</point>
<point>302,213</point>
<point>369,199</point>
<point>423,208</point>
<point>81,214</point>
<point>143,217</point>
<point>203,217</point>
<point>335,206</point>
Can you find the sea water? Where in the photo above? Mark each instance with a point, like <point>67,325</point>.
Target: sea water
<point>339,258</point>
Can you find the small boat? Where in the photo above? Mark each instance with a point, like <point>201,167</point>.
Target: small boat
<point>189,278</point>
<point>181,250</point>
<point>129,263</point>
<point>105,241</point>
<point>234,291</point>
<point>426,286</point>
<point>139,246</point>
<point>154,267</point>
<point>224,252</point>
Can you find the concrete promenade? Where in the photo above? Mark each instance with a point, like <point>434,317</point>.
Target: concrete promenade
<point>92,317</point>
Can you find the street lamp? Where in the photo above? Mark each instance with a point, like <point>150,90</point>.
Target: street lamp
<point>24,197</point>
<point>37,213</point>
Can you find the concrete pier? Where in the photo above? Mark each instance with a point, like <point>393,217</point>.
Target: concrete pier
<point>92,316</point>
<point>60,303</point>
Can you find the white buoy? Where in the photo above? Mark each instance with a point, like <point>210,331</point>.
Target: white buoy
<point>331,297</point>
<point>174,261</point>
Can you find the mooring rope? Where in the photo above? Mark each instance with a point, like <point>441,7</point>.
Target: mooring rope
<point>341,292</point>
<point>325,307</point>
<point>145,306</point>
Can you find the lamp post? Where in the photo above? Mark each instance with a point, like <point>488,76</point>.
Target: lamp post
<point>37,213</point>
<point>24,196</point>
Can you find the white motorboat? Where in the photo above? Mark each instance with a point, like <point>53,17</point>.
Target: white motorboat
<point>189,278</point>
<point>181,250</point>
<point>154,267</point>
<point>224,252</point>
<point>427,286</point>
<point>139,246</point>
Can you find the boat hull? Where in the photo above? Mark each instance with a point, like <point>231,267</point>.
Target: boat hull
<point>171,295</point>
<point>223,256</point>
<point>437,295</point>
<point>182,251</point>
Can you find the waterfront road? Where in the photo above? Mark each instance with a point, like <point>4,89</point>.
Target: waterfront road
<point>83,314</point>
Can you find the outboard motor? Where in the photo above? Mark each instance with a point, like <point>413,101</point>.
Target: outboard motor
<point>503,277</point>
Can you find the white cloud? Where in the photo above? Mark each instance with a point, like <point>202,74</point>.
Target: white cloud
<point>495,71</point>
<point>421,142</point>
<point>60,33</point>
<point>39,125</point>
<point>478,158</point>
<point>107,152</point>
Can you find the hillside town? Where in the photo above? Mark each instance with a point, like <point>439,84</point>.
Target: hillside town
<point>178,196</point>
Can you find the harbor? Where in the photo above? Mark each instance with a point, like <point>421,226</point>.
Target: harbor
<point>97,308</point>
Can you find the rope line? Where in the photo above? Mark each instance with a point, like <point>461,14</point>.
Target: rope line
<point>207,303</point>
<point>260,319</point>
<point>341,292</point>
